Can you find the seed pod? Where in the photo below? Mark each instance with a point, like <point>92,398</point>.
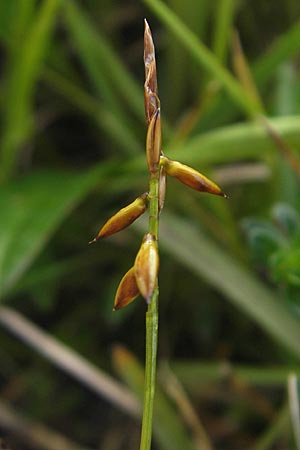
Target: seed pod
<point>146,267</point>
<point>153,143</point>
<point>124,217</point>
<point>127,290</point>
<point>191,177</point>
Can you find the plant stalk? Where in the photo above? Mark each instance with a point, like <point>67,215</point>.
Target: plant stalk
<point>151,328</point>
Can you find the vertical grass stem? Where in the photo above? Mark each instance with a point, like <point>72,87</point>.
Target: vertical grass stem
<point>151,329</point>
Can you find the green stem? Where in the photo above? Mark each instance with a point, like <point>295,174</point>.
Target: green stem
<point>151,329</point>
<point>277,427</point>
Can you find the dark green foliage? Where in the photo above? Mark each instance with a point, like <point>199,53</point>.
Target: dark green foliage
<point>275,247</point>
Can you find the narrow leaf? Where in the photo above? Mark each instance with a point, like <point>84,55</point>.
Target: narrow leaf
<point>168,428</point>
<point>23,73</point>
<point>203,56</point>
<point>31,210</point>
<point>197,252</point>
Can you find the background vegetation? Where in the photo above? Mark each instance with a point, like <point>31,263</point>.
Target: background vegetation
<point>72,152</point>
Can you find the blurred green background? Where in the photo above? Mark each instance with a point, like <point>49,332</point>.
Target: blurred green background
<point>72,153</point>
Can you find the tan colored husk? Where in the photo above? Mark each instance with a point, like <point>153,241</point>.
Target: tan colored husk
<point>127,290</point>
<point>150,87</point>
<point>124,217</point>
<point>153,143</point>
<point>190,177</point>
<point>146,267</point>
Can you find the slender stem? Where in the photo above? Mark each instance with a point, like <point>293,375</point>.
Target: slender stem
<point>153,205</point>
<point>150,371</point>
<point>151,329</point>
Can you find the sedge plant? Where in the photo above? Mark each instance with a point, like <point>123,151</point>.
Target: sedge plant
<point>142,277</point>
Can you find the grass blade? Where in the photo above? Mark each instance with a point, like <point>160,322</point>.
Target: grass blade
<point>32,208</point>
<point>168,429</point>
<point>23,74</point>
<point>191,373</point>
<point>205,259</point>
<point>235,142</point>
<point>285,47</point>
<point>185,76</point>
<point>15,16</point>
<point>276,428</point>
<point>203,56</point>
<point>103,65</point>
<point>105,119</point>
<point>293,394</point>
<point>223,26</point>
<point>244,74</point>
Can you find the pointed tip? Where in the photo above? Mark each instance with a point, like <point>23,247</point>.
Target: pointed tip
<point>114,309</point>
<point>146,27</point>
<point>93,241</point>
<point>222,194</point>
<point>148,36</point>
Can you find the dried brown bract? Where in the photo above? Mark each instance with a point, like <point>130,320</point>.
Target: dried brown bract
<point>153,143</point>
<point>150,87</point>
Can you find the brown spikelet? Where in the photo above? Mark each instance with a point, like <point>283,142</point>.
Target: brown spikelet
<point>146,267</point>
<point>191,177</point>
<point>127,290</point>
<point>150,86</point>
<point>124,217</point>
<point>153,143</point>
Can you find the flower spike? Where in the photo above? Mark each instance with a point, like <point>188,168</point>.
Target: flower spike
<point>142,278</point>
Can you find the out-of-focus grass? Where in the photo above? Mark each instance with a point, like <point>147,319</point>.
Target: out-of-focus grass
<point>29,45</point>
<point>72,150</point>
